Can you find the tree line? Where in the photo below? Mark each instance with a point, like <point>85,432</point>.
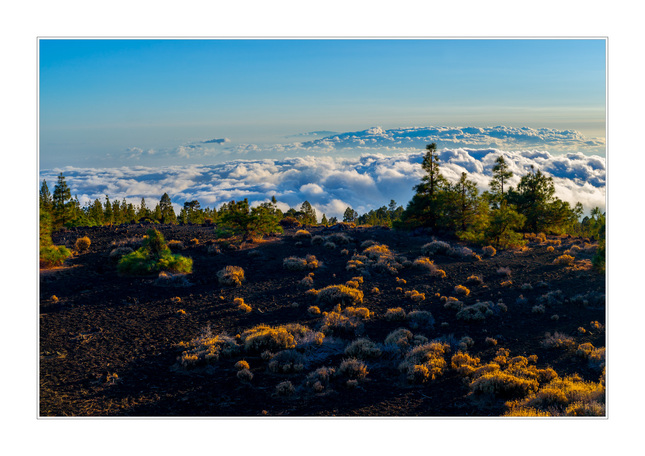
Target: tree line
<point>497,216</point>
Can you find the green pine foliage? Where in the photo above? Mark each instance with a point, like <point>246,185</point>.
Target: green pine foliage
<point>238,218</point>
<point>50,255</point>
<point>154,256</point>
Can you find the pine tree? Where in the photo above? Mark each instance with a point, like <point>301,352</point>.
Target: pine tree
<point>428,205</point>
<point>466,199</point>
<point>324,221</point>
<point>533,199</point>
<point>309,216</point>
<point>350,215</point>
<point>46,200</point>
<point>95,213</point>
<point>501,175</point>
<point>60,202</point>
<point>108,214</point>
<point>167,211</point>
<point>143,210</point>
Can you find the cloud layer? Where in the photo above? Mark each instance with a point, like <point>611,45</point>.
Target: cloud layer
<point>500,137</point>
<point>329,184</point>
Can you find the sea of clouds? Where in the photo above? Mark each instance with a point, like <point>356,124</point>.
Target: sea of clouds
<point>331,183</point>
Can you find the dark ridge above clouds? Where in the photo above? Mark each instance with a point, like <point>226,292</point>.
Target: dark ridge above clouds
<point>330,184</point>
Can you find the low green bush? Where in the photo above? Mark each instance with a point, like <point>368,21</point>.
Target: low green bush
<point>154,256</point>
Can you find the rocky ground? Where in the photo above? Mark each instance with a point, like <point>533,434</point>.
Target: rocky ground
<point>109,343</point>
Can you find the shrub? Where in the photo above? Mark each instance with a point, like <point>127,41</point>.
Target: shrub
<point>490,341</point>
<point>504,271</point>
<point>319,379</point>
<point>242,306</point>
<point>363,349</point>
<point>360,312</point>
<point>154,256</point>
<point>302,235</point>
<point>242,364</point>
<point>342,323</point>
<point>265,337</point>
<point>307,282</point>
<point>401,338</point>
<point>565,260</point>
<point>568,396</point>
<point>465,343</point>
<point>313,310</point>
<point>339,238</point>
<point>171,280</point>
<point>117,253</point>
<point>300,264</point>
<point>461,290</point>
<point>53,255</point>
<point>480,311</point>
<point>557,340</point>
<point>231,276</point>
<point>353,368</point>
<point>287,361</point>
<point>339,294</point>
<point>395,314</point>
<point>329,245</point>
<point>82,244</point>
<point>175,245</point>
<point>289,222</point>
<point>475,280</point>
<point>500,383</point>
<point>206,348</point>
<point>436,247</point>
<point>464,363</point>
<point>489,251</point>
<point>244,375</point>
<point>415,296</point>
<point>285,389</point>
<point>420,319</point>
<point>425,362</point>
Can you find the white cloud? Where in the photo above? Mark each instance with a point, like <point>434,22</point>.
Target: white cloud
<point>330,184</point>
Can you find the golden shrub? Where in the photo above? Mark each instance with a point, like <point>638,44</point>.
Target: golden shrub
<point>565,260</point>
<point>340,294</point>
<point>395,314</point>
<point>415,296</point>
<point>231,276</point>
<point>461,290</point>
<point>82,244</point>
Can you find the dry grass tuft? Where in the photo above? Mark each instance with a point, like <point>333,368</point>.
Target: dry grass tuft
<point>300,264</point>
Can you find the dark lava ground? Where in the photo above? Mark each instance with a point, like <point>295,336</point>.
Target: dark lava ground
<point>108,342</point>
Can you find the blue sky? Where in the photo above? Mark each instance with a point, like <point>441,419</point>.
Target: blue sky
<point>102,102</point>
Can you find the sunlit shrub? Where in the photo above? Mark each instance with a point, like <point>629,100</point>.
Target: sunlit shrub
<point>275,338</point>
<point>206,348</point>
<point>414,295</point>
<point>564,260</point>
<point>231,276</point>
<point>83,244</point>
<point>300,264</point>
<point>464,363</point>
<point>395,314</point>
<point>461,290</point>
<point>342,323</point>
<point>425,362</point>
<point>339,294</point>
<point>302,235</point>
